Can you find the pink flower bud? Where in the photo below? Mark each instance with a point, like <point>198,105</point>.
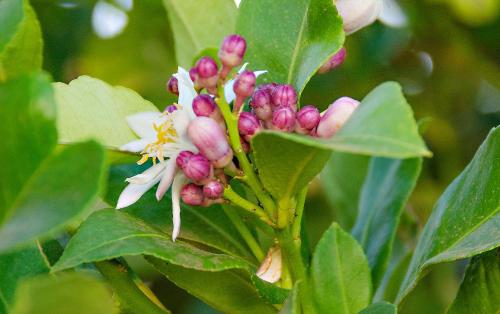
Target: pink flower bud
<point>284,119</point>
<point>197,168</point>
<point>193,74</point>
<point>269,87</point>
<point>245,145</point>
<point>204,105</point>
<point>248,124</point>
<point>213,190</point>
<point>231,52</point>
<point>172,86</point>
<point>308,117</point>
<point>262,105</point>
<point>243,87</point>
<point>284,95</point>
<point>335,116</point>
<point>170,109</point>
<point>183,157</point>
<point>210,140</point>
<point>334,61</point>
<point>192,194</point>
<point>207,72</point>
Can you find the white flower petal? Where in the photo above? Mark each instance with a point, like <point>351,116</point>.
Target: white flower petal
<point>148,175</point>
<point>228,88</point>
<point>142,123</point>
<point>179,180</point>
<point>167,177</point>
<point>181,120</point>
<point>270,269</point>
<point>137,146</point>
<point>392,15</point>
<point>133,192</point>
<point>186,91</point>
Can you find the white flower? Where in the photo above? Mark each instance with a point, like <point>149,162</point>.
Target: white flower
<point>162,137</point>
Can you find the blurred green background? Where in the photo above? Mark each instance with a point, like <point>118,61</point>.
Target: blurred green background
<point>447,59</point>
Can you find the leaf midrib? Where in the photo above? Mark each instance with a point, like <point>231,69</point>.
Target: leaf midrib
<point>297,44</point>
<point>339,272</point>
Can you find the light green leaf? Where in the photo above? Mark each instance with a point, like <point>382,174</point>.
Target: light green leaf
<point>466,220</point>
<point>340,274</point>
<point>380,308</point>
<point>292,303</point>
<point>290,38</point>
<point>270,292</point>
<point>20,39</point>
<point>385,192</point>
<point>90,108</point>
<point>70,293</point>
<point>110,233</point>
<point>480,292</point>
<point>197,25</point>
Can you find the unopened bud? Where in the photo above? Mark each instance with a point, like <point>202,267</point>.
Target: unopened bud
<point>357,14</point>
<point>262,105</point>
<point>172,86</point>
<point>207,73</point>
<point>284,95</point>
<point>284,119</point>
<point>248,124</point>
<point>197,168</point>
<point>336,116</point>
<point>211,141</point>
<point>182,158</point>
<point>193,75</point>
<point>245,145</point>
<point>204,105</point>
<point>213,190</point>
<point>308,118</point>
<point>243,87</point>
<point>192,194</point>
<point>170,109</point>
<point>231,53</point>
<point>336,60</point>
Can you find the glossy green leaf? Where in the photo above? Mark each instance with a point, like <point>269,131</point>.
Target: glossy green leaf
<point>207,225</point>
<point>16,266</point>
<point>74,293</point>
<point>380,308</point>
<point>385,192</point>
<point>340,274</point>
<point>292,303</point>
<point>227,291</point>
<point>270,292</point>
<point>20,39</point>
<point>480,292</point>
<point>465,221</point>
<point>110,233</point>
<point>58,194</point>
<point>197,25</point>
<point>90,108</point>
<point>290,38</point>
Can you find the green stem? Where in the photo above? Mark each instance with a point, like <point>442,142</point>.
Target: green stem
<point>234,138</point>
<point>233,197</point>
<point>131,296</point>
<point>246,234</point>
<point>299,211</point>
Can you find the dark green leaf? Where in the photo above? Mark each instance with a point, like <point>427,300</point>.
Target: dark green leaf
<point>227,291</point>
<point>197,25</point>
<point>292,304</point>
<point>270,292</point>
<point>465,221</point>
<point>71,293</point>
<point>290,38</point>
<point>110,233</point>
<point>385,192</point>
<point>480,290</point>
<point>340,274</point>
<point>380,308</point>
<point>20,39</point>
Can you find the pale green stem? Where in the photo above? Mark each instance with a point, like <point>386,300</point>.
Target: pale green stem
<point>246,234</point>
<point>236,199</point>
<point>299,211</point>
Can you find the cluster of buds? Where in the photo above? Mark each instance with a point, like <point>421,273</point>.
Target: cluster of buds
<point>271,106</point>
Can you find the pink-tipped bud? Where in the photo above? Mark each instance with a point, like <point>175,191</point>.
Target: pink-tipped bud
<point>243,87</point>
<point>262,105</point>
<point>193,74</point>
<point>213,190</point>
<point>170,109</point>
<point>248,124</point>
<point>211,141</point>
<point>245,145</point>
<point>336,116</point>
<point>204,105</point>
<point>192,194</point>
<point>269,87</point>
<point>183,157</point>
<point>308,117</point>
<point>232,50</point>
<point>284,95</point>
<point>207,72</point>
<point>284,119</point>
<point>334,61</point>
<point>173,86</point>
<point>197,168</point>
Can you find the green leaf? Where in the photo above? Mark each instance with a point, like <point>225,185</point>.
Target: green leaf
<point>380,308</point>
<point>479,292</point>
<point>16,266</point>
<point>228,291</point>
<point>274,155</point>
<point>465,220</point>
<point>385,192</point>
<point>110,233</point>
<point>292,303</point>
<point>290,38</point>
<point>340,274</point>
<point>207,225</point>
<point>20,39</point>
<point>70,176</point>
<point>71,293</point>
<point>90,108</point>
<point>197,25</point>
<point>270,292</point>
<point>342,179</point>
